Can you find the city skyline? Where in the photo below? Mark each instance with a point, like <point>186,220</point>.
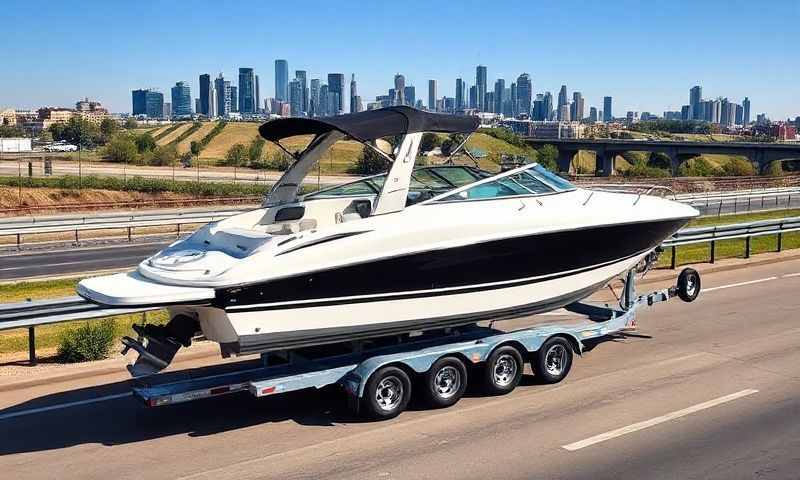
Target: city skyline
<point>651,76</point>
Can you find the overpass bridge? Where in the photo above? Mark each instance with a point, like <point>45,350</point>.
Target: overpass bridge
<point>607,149</point>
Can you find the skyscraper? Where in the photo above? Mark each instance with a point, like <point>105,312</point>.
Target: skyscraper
<point>432,95</point>
<point>524,94</point>
<point>399,88</point>
<point>746,111</point>
<point>205,94</point>
<point>460,104</point>
<point>234,99</point>
<point>695,97</point>
<point>335,93</point>
<point>181,100</point>
<point>282,80</point>
<point>547,106</point>
<point>258,96</point>
<point>480,88</point>
<point>562,100</point>
<point>499,95</point>
<point>607,115</point>
<point>473,97</point>
<point>148,102</point>
<point>295,98</point>
<point>247,91</point>
<point>313,98</point>
<point>577,109</point>
<point>223,90</point>
<point>322,108</point>
<point>592,114</point>
<point>353,94</point>
<point>302,77</point>
<point>410,95</point>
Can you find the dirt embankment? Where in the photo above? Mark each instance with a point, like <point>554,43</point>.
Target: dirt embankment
<point>39,199</point>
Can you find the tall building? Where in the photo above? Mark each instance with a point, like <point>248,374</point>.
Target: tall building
<point>746,111</point>
<point>460,103</point>
<point>592,114</point>
<point>258,96</point>
<point>562,101</point>
<point>499,95</point>
<point>313,98</point>
<point>608,115</point>
<point>739,117</point>
<point>223,89</point>
<point>400,89</point>
<point>322,108</point>
<point>181,100</point>
<point>295,98</point>
<point>547,109</point>
<point>148,102</point>
<point>247,91</point>
<point>234,99</point>
<point>432,95</point>
<point>302,77</point>
<point>695,99</point>
<point>410,95</point>
<point>577,108</point>
<point>335,93</point>
<point>205,94</point>
<point>473,97</point>
<point>282,80</point>
<point>524,94</point>
<point>353,94</point>
<point>480,88</point>
<point>537,112</point>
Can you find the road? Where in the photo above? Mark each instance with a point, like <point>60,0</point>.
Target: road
<point>54,263</point>
<point>11,168</point>
<point>709,390</point>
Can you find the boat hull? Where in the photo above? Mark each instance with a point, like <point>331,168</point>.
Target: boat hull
<point>298,326</point>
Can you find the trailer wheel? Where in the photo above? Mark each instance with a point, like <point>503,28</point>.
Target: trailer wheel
<point>688,284</point>
<point>503,371</point>
<point>387,393</point>
<point>445,382</point>
<point>553,360</point>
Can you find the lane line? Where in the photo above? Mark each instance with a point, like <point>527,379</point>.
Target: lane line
<point>788,275</point>
<point>62,264</point>
<point>740,284</point>
<point>64,405</point>
<point>635,427</point>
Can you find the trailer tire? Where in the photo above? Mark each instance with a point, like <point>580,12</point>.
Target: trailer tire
<point>386,393</point>
<point>553,360</point>
<point>445,382</point>
<point>688,284</point>
<point>503,371</point>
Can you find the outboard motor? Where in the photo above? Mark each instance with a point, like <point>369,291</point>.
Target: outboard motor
<point>158,344</point>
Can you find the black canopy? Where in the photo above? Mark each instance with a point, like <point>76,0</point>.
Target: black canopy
<point>369,125</point>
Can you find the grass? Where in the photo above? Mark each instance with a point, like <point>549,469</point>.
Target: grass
<point>205,128</point>
<point>167,130</point>
<point>173,134</point>
<point>48,336</point>
<point>233,133</point>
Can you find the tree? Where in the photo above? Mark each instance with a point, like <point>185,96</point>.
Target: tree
<point>121,148</point>
<point>195,147</point>
<point>451,143</point>
<point>429,142</point>
<point>369,163</point>
<point>775,169</point>
<point>738,167</point>
<point>165,155</point>
<point>660,160</point>
<point>131,123</point>
<point>45,136</point>
<point>108,127</point>
<point>145,143</point>
<point>236,156</point>
<point>255,149</point>
<point>77,131</point>
<point>9,131</point>
<point>548,157</point>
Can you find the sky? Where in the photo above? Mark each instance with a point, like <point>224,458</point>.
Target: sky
<point>644,54</point>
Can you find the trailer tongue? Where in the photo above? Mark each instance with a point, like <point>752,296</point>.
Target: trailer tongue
<point>377,373</point>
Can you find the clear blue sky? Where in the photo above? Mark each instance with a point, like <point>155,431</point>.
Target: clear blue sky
<point>645,54</point>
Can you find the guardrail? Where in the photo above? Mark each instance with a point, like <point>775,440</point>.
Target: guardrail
<point>33,225</point>
<point>44,312</point>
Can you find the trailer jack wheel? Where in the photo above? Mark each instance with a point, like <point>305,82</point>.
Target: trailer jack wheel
<point>688,284</point>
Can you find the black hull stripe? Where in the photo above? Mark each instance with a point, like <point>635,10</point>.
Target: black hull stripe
<point>306,338</point>
<point>413,295</point>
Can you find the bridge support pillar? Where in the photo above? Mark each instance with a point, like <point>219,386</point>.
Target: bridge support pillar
<point>605,163</point>
<point>565,160</point>
<point>674,161</point>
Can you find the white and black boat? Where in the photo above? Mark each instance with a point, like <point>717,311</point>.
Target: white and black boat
<point>413,249</point>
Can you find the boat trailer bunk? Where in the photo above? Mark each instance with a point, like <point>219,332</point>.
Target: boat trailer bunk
<point>378,374</point>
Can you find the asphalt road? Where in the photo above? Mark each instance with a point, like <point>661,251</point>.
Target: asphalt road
<point>52,263</point>
<point>709,390</point>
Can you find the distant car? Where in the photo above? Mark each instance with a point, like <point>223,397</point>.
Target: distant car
<point>61,147</point>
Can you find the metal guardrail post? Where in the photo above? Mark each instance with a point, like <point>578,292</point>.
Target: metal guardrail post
<point>747,247</point>
<point>179,230</point>
<point>129,233</point>
<point>780,238</point>
<point>674,258</point>
<point>713,251</point>
<point>19,241</point>
<point>32,345</point>
<point>77,242</point>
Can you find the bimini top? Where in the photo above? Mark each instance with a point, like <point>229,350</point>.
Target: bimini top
<point>372,124</point>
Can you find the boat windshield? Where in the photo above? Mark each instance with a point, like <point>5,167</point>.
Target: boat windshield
<point>529,180</point>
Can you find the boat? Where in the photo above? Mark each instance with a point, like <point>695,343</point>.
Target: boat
<point>412,249</point>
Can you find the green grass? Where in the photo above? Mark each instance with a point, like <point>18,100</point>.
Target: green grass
<point>48,336</point>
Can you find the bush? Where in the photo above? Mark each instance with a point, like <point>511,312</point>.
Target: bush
<point>369,163</point>
<point>775,169</point>
<point>121,149</point>
<point>738,167</point>
<point>145,143</point>
<point>698,167</point>
<point>278,161</point>
<point>255,149</point>
<point>429,142</point>
<point>660,160</point>
<point>548,157</point>
<point>236,156</point>
<point>165,155</point>
<point>131,123</point>
<point>642,169</point>
<point>90,341</point>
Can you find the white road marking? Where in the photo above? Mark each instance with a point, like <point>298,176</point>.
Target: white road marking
<point>740,284</point>
<point>32,411</point>
<point>788,275</point>
<point>61,264</point>
<point>657,420</point>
